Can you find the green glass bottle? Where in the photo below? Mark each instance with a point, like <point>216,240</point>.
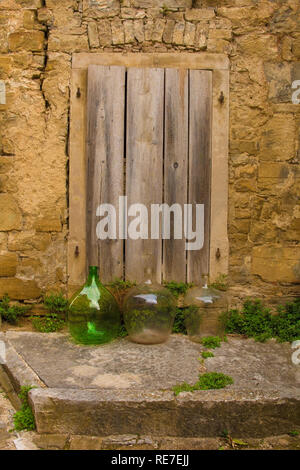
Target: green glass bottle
<point>94,316</point>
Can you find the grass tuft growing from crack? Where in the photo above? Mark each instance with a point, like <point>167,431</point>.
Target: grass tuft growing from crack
<point>207,381</point>
<point>24,419</point>
<point>211,342</point>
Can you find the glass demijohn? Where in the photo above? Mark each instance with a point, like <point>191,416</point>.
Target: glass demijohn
<point>149,312</point>
<point>94,316</point>
<point>206,305</point>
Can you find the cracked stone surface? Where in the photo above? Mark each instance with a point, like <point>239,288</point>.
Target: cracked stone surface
<point>118,365</point>
<point>124,365</point>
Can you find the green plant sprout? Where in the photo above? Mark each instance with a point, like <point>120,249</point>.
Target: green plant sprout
<point>256,321</point>
<point>211,342</point>
<point>177,288</point>
<point>207,381</point>
<point>206,354</point>
<point>24,419</point>
<point>11,313</point>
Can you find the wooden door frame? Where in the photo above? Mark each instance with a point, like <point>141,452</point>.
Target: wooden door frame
<point>219,65</point>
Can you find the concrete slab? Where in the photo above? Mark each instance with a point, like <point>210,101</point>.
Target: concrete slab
<point>124,388</point>
<point>117,365</point>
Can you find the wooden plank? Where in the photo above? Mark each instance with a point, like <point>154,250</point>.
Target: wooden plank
<point>175,167</point>
<point>187,60</point>
<point>200,116</point>
<point>219,250</point>
<point>105,172</point>
<point>77,183</point>
<point>144,164</point>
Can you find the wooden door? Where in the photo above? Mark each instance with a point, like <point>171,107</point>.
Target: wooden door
<point>148,138</point>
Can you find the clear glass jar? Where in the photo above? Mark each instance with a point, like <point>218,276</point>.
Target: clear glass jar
<point>206,305</point>
<point>149,312</point>
<point>94,316</point>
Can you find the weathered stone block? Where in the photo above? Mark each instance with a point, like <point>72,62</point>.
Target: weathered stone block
<point>85,443</point>
<point>277,170</point>
<point>189,34</point>
<point>27,241</point>
<point>139,30</point>
<point>276,264</point>
<point>104,29</point>
<point>30,3</point>
<point>5,64</point>
<point>128,31</point>
<point>296,48</point>
<point>17,289</point>
<point>196,14</point>
<point>178,34</point>
<point>29,19</point>
<point>264,46</point>
<point>161,3</point>
<point>8,264</point>
<point>50,441</point>
<point>45,16</point>
<point>6,163</point>
<point>67,42</point>
<point>161,414</point>
<point>278,139</point>
<point>117,32</point>
<point>168,31</point>
<point>158,30</point>
<point>10,214</point>
<point>28,41</point>
<point>93,35</point>
<point>200,38</point>
<point>51,223</point>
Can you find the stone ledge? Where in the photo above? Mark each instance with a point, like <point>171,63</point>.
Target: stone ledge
<point>109,412</point>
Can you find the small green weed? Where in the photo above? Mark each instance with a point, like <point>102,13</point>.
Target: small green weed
<point>24,419</point>
<point>48,323</point>
<point>256,321</point>
<point>179,325</point>
<point>206,354</point>
<point>56,303</point>
<point>177,288</point>
<point>207,381</point>
<point>211,342</point>
<point>293,433</point>
<point>119,285</point>
<point>54,320</point>
<point>11,313</point>
<point>164,10</point>
<point>122,331</point>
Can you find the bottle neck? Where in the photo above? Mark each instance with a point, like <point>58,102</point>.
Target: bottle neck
<point>93,273</point>
<point>205,281</point>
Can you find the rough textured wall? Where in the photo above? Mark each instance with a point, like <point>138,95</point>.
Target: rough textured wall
<point>262,40</point>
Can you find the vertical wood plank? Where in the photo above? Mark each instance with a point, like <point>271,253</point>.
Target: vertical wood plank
<point>105,153</point>
<point>77,183</point>
<point>200,117</point>
<point>175,167</point>
<point>219,176</point>
<point>144,164</point>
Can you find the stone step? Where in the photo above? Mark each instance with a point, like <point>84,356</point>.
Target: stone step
<point>198,414</point>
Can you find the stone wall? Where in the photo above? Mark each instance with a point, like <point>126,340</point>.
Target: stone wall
<point>262,40</point>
